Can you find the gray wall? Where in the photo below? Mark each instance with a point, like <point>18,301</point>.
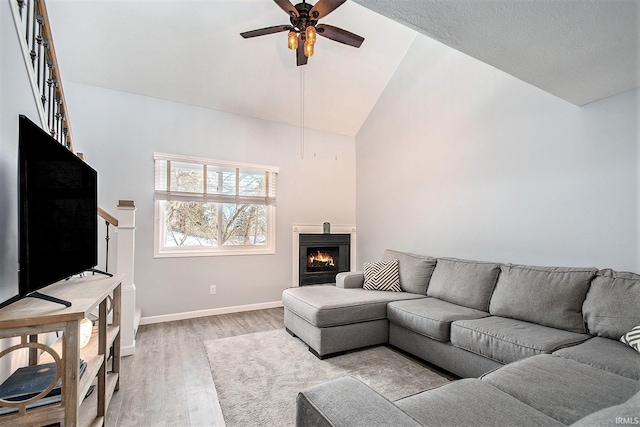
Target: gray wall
<point>460,159</point>
<point>120,131</point>
<point>15,98</point>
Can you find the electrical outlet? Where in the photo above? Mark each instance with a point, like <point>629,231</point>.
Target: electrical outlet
<point>212,289</point>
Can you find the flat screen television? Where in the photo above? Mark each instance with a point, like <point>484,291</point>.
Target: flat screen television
<point>58,205</point>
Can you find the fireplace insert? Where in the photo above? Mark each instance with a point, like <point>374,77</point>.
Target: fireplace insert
<point>322,257</point>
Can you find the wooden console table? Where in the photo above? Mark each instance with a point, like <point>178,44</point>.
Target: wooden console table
<point>30,316</point>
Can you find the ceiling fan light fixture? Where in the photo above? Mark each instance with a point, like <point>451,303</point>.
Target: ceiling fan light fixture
<point>308,49</point>
<point>311,34</point>
<point>292,40</point>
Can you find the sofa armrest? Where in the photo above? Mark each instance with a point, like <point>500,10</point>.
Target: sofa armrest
<point>347,402</point>
<point>350,279</point>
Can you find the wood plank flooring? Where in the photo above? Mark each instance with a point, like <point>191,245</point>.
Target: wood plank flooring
<point>167,382</point>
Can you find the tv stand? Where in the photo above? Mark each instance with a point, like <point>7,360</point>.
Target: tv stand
<point>33,316</point>
<point>49,298</point>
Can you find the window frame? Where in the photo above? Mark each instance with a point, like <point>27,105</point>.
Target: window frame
<point>162,251</point>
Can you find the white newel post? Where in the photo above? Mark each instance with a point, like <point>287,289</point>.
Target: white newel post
<point>124,264</point>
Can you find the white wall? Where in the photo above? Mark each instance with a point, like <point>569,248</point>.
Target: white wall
<point>120,131</point>
<point>460,159</point>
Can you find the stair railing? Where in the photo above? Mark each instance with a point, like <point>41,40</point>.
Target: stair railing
<point>108,221</point>
<point>36,31</point>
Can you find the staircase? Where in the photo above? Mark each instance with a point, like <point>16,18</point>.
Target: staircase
<point>32,23</point>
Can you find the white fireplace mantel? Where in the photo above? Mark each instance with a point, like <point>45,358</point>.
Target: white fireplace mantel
<point>318,229</point>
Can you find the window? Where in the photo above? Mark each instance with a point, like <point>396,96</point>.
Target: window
<point>209,207</point>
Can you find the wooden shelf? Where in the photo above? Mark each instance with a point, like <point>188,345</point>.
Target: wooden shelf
<point>89,406</point>
<point>93,366</point>
<point>29,317</point>
<point>90,349</point>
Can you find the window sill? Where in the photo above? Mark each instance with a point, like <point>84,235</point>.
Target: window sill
<point>167,253</point>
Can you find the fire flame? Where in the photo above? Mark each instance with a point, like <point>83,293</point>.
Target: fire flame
<point>322,257</point>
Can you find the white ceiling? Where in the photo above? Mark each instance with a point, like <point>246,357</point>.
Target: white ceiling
<point>190,51</point>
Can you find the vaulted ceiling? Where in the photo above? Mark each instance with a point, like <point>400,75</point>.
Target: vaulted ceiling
<point>578,50</point>
<point>190,51</point>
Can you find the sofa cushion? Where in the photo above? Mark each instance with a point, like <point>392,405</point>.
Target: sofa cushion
<point>562,388</point>
<point>325,306</point>
<point>549,296</point>
<point>415,270</point>
<point>471,402</point>
<point>347,401</point>
<point>382,276</point>
<point>507,340</point>
<point>627,413</point>
<point>430,317</point>
<point>604,353</point>
<point>463,282</point>
<point>611,307</point>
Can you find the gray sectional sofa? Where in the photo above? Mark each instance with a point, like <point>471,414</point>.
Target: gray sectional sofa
<point>533,345</point>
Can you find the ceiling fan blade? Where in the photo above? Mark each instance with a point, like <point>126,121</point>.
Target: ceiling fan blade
<point>324,7</point>
<point>265,31</point>
<point>287,7</point>
<point>339,35</point>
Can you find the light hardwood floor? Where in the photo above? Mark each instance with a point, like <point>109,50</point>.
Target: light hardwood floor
<point>167,382</point>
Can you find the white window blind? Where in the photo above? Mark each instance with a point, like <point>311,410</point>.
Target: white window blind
<point>193,179</point>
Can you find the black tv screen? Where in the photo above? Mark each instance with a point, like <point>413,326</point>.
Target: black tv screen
<point>58,194</point>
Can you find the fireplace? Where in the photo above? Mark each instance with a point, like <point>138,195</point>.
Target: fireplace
<point>322,257</point>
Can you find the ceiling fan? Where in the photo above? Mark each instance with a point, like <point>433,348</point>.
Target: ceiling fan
<point>304,27</point>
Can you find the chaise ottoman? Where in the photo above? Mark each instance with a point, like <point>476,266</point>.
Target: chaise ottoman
<point>336,318</point>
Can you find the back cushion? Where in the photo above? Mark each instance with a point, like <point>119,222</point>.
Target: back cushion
<point>625,413</point>
<point>415,270</point>
<point>462,282</point>
<point>612,307</point>
<point>548,296</point>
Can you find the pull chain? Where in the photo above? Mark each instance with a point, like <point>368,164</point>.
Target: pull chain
<point>302,113</point>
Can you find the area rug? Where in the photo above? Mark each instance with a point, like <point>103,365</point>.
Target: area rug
<point>258,376</point>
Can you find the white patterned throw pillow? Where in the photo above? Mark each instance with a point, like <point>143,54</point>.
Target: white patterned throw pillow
<point>632,338</point>
<point>382,276</point>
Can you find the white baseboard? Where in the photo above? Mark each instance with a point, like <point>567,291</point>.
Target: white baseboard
<point>136,321</point>
<point>212,312</point>
<point>128,350</point>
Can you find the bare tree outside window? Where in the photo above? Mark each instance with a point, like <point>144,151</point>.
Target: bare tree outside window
<point>244,225</point>
<point>191,224</point>
<point>196,224</point>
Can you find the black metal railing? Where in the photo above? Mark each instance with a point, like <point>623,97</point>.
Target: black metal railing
<point>37,33</point>
<point>108,221</point>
